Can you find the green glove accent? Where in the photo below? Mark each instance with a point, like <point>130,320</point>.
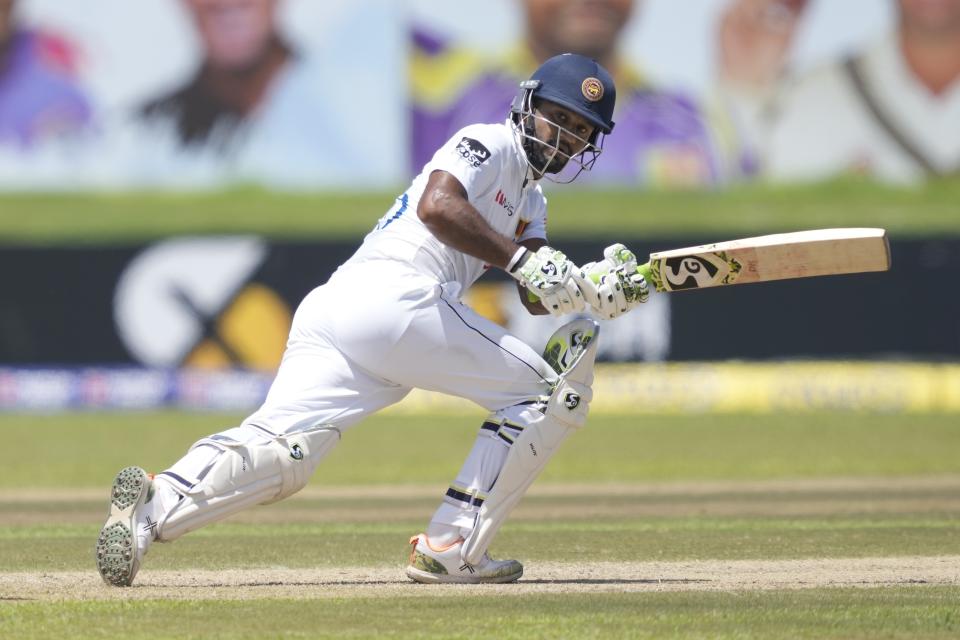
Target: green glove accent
<point>644,270</point>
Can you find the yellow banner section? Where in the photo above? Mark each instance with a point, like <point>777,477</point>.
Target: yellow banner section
<point>740,387</point>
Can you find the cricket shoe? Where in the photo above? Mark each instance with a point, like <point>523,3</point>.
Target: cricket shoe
<point>119,548</point>
<point>431,564</point>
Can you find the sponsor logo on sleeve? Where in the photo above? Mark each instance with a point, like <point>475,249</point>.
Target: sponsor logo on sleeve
<point>473,152</point>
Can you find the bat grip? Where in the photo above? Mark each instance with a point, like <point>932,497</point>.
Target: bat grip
<point>644,270</point>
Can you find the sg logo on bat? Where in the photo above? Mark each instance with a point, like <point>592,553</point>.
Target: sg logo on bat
<point>694,272</point>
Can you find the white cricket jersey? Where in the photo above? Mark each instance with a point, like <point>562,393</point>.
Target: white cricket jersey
<point>489,162</point>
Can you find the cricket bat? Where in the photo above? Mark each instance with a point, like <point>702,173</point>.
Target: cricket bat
<point>802,254</point>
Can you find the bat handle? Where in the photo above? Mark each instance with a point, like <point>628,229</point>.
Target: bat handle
<point>644,270</point>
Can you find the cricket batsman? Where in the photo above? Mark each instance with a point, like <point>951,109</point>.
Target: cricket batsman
<point>391,319</point>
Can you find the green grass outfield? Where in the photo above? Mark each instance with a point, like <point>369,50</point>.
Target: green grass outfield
<point>913,612</point>
<point>130,217</point>
<point>813,525</point>
<point>84,450</point>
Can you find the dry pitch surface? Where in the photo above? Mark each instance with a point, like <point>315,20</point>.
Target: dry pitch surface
<point>822,497</point>
<point>601,577</point>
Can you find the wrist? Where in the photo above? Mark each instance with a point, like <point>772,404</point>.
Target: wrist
<point>521,256</point>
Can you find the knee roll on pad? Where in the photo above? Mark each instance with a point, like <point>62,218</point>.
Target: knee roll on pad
<point>565,411</point>
<point>569,403</point>
<point>240,468</point>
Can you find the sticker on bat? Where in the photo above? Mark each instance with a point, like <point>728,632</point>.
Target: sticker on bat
<point>698,271</point>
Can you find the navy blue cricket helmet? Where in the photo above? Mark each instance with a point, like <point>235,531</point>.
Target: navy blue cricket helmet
<point>576,82</point>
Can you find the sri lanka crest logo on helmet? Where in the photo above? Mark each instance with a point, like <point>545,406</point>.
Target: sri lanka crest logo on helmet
<point>592,89</point>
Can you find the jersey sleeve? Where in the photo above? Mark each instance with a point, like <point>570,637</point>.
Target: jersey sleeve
<point>474,156</point>
<point>536,227</point>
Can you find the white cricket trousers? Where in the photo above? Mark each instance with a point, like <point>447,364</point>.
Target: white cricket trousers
<point>361,341</point>
<point>358,344</point>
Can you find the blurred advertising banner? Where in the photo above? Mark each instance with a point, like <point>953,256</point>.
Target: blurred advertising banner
<point>637,388</point>
<point>197,93</point>
<point>220,303</point>
<point>349,94</point>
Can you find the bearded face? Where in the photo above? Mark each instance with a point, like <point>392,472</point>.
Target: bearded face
<point>234,32</point>
<point>587,27</point>
<point>554,136</point>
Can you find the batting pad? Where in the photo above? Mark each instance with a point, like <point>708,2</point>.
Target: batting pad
<point>239,468</point>
<point>565,412</point>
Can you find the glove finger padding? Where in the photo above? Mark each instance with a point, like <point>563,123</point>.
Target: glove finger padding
<point>624,264</point>
<point>546,275</point>
<point>618,255</point>
<point>613,299</point>
<point>567,299</point>
<point>635,287</point>
<point>616,286</point>
<point>599,293</point>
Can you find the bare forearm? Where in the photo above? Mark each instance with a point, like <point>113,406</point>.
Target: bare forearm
<point>465,230</point>
<point>450,217</point>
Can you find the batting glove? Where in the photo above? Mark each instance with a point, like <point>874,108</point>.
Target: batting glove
<point>546,274</point>
<point>618,288</point>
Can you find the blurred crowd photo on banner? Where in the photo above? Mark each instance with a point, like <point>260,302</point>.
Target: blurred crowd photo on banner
<point>40,93</point>
<point>352,94</point>
<point>200,93</point>
<point>664,137</point>
<point>889,108</point>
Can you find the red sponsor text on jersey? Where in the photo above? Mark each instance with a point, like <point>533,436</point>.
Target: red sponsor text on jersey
<point>503,202</point>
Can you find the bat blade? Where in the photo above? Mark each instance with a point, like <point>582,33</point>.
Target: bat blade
<point>780,256</point>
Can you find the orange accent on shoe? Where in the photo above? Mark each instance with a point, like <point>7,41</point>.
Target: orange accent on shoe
<point>413,546</point>
<point>426,540</point>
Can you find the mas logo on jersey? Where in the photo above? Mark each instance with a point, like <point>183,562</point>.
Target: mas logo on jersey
<point>503,202</point>
<point>473,152</point>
